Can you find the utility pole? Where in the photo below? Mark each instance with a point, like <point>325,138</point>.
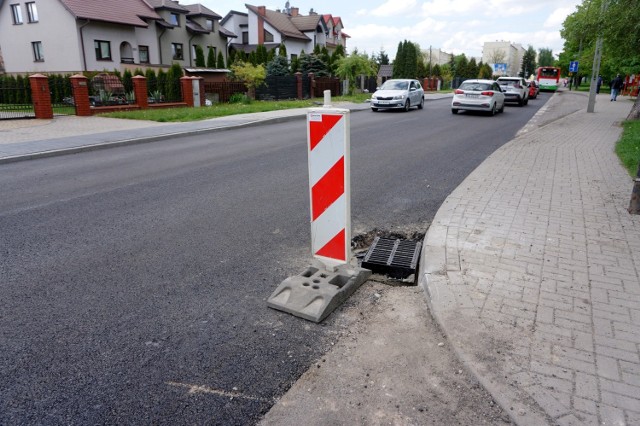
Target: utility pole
<point>597,56</point>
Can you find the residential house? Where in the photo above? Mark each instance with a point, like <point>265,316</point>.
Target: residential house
<point>183,27</point>
<point>64,36</point>
<point>262,26</point>
<point>335,35</point>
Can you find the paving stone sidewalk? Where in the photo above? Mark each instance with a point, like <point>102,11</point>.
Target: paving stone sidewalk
<point>532,268</point>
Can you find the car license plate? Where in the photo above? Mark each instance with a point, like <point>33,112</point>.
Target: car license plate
<point>472,96</point>
<point>383,102</point>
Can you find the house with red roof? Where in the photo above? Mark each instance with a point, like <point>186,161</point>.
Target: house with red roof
<point>298,32</point>
<point>61,36</point>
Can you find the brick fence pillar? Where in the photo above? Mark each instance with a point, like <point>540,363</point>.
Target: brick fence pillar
<point>41,96</point>
<point>140,91</point>
<point>187,90</point>
<point>312,85</point>
<point>299,84</point>
<point>80,85</point>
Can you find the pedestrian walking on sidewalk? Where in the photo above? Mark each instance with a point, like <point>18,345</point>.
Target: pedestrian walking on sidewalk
<point>616,85</point>
<point>598,84</point>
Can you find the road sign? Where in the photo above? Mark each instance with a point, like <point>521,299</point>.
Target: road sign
<point>573,66</point>
<point>329,185</point>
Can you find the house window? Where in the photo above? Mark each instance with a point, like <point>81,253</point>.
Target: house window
<point>174,19</point>
<point>38,53</point>
<point>245,37</point>
<point>16,12</point>
<point>176,50</point>
<point>103,50</point>
<point>268,37</point>
<point>210,24</point>
<point>143,51</point>
<point>32,12</point>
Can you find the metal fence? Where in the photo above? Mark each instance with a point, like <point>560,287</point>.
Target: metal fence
<point>15,99</point>
<point>278,87</point>
<point>61,95</point>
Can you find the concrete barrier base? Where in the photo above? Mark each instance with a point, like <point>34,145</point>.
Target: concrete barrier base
<point>315,293</point>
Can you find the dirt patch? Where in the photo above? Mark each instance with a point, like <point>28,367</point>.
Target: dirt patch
<point>389,364</point>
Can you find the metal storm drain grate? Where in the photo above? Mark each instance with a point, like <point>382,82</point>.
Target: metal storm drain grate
<point>393,257</point>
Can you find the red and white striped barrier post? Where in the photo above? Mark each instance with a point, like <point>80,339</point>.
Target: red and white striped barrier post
<point>329,185</point>
<point>322,287</point>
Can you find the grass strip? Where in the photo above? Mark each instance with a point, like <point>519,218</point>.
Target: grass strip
<point>628,147</point>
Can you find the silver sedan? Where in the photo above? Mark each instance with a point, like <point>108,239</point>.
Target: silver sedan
<point>398,94</point>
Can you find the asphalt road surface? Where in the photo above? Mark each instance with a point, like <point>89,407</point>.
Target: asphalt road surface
<point>133,281</point>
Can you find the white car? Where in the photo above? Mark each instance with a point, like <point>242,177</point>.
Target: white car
<point>398,94</point>
<point>478,95</point>
<point>515,89</point>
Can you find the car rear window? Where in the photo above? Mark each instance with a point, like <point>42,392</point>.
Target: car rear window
<point>475,87</point>
<point>509,83</point>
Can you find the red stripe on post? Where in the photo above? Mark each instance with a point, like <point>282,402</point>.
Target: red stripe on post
<point>319,129</point>
<point>328,189</point>
<point>335,249</point>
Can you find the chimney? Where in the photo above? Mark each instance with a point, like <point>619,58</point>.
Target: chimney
<point>294,11</point>
<point>262,10</point>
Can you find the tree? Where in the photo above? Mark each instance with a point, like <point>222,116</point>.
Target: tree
<point>462,66</point>
<point>472,69</point>
<point>313,63</point>
<point>278,66</point>
<point>211,59</point>
<point>282,50</point>
<point>220,63</point>
<point>617,24</point>
<point>349,67</point>
<point>295,65</point>
<point>261,55</point>
<point>127,81</point>
<point>410,60</point>
<point>528,62</point>
<point>173,90</point>
<point>252,75</point>
<point>383,58</point>
<point>152,80</point>
<point>253,58</point>
<point>485,71</point>
<point>545,57</point>
<point>199,56</point>
<point>498,56</point>
<point>405,64</point>
<point>398,62</point>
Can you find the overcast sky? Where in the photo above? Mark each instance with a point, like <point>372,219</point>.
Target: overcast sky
<point>460,26</point>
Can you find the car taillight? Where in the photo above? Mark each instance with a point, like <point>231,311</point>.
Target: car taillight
<point>459,92</point>
<point>487,93</point>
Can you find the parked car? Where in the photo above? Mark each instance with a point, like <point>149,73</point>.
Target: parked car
<point>515,89</point>
<point>534,89</point>
<point>398,94</point>
<point>478,95</point>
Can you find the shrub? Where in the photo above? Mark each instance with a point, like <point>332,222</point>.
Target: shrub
<point>239,98</point>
